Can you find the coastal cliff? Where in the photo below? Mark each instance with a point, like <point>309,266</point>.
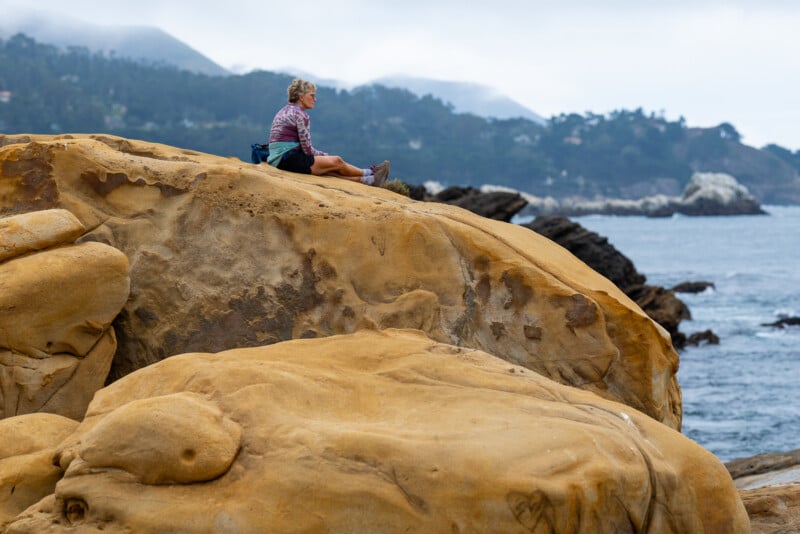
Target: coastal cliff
<point>225,254</point>
<point>308,288</point>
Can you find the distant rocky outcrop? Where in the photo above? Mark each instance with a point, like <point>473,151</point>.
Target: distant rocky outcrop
<point>783,322</point>
<point>705,194</point>
<point>715,194</point>
<point>659,303</point>
<point>706,337</point>
<point>693,287</point>
<point>370,432</point>
<point>57,302</point>
<point>226,254</point>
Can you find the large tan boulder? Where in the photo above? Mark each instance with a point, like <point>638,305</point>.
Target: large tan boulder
<point>227,254</point>
<point>57,302</point>
<point>374,432</point>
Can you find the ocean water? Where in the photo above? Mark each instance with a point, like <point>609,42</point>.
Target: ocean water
<point>741,397</point>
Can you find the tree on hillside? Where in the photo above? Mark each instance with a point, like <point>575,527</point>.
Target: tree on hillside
<point>51,90</point>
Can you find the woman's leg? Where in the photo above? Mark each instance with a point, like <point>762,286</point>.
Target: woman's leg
<point>336,166</point>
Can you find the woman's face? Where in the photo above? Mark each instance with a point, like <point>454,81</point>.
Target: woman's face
<point>308,100</point>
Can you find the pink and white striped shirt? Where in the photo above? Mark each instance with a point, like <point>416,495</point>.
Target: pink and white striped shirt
<point>293,124</point>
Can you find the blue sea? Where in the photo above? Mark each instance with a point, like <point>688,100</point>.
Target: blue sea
<point>741,397</point>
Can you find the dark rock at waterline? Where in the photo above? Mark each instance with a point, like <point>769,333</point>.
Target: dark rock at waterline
<point>658,303</point>
<point>693,287</point>
<point>591,248</point>
<point>705,337</point>
<point>497,205</point>
<point>784,322</point>
<point>419,192</point>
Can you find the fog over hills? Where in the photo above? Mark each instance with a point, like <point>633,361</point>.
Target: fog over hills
<point>141,43</point>
<point>150,44</point>
<point>465,97</point>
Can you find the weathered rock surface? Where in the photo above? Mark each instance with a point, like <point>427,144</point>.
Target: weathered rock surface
<point>225,254</point>
<point>373,432</point>
<point>57,302</point>
<point>36,231</point>
<point>773,509</point>
<point>659,303</point>
<point>27,448</point>
<point>769,485</point>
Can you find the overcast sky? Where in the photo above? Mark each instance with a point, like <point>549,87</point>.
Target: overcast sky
<point>710,61</point>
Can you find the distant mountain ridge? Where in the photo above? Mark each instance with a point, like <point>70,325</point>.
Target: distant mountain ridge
<point>465,97</point>
<point>627,154</point>
<point>153,45</point>
<point>139,43</point>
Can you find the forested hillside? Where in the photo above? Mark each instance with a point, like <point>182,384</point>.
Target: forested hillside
<point>625,154</point>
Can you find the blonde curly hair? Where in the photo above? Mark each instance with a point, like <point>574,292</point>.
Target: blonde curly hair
<point>298,88</point>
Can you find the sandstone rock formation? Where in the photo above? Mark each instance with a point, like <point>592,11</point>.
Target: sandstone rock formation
<point>659,303</point>
<point>770,488</point>
<point>227,254</point>
<point>27,448</point>
<point>773,509</point>
<point>57,302</point>
<point>373,432</point>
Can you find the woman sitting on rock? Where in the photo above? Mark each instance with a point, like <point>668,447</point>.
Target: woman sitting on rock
<point>290,147</point>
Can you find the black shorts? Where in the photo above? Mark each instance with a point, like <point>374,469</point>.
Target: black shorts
<point>296,161</point>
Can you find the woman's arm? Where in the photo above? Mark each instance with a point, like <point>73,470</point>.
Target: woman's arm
<point>304,134</point>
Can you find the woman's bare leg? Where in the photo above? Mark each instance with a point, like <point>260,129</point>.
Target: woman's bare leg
<point>337,167</point>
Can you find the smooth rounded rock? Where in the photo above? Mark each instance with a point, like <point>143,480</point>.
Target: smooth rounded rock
<point>37,230</point>
<point>173,439</point>
<point>376,432</point>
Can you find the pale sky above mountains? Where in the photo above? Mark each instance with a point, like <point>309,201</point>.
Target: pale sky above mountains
<point>710,61</point>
